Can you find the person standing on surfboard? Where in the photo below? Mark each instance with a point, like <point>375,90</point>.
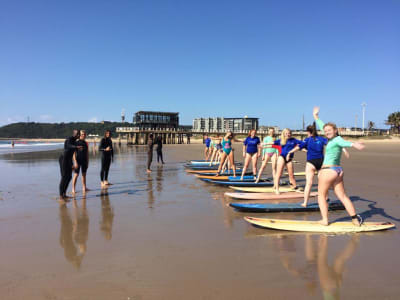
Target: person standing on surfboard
<point>268,153</point>
<point>251,151</point>
<point>287,143</point>
<point>331,173</point>
<point>207,142</point>
<point>314,144</point>
<point>227,153</point>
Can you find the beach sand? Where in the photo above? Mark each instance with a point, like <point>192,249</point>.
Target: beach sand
<point>168,235</point>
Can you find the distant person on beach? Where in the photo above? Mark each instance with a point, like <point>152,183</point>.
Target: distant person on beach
<point>207,142</point>
<point>81,161</point>
<point>267,154</point>
<point>12,144</point>
<point>159,149</point>
<point>66,164</point>
<point>107,155</point>
<point>150,145</point>
<point>251,152</point>
<point>331,173</point>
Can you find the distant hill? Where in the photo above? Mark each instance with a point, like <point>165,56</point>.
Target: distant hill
<point>55,130</point>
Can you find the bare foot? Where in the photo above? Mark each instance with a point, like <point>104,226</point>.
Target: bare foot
<point>241,178</point>
<point>323,222</point>
<point>277,192</point>
<point>73,192</point>
<point>356,221</point>
<point>304,204</point>
<point>62,200</point>
<point>257,180</point>
<point>148,171</point>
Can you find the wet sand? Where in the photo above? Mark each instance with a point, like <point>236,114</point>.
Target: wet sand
<point>168,235</point>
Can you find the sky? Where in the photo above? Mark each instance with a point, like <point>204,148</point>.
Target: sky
<point>65,61</point>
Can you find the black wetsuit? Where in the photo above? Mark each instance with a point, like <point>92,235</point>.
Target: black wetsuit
<point>106,157</point>
<point>65,161</point>
<point>150,144</point>
<point>82,156</point>
<point>159,150</point>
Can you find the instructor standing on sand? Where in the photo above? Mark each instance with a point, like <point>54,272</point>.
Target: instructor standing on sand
<point>65,161</point>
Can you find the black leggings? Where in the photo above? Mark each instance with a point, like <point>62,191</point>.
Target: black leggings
<point>66,175</point>
<point>105,167</point>
<point>159,156</point>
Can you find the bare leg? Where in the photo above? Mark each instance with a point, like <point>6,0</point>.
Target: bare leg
<point>326,179</point>
<point>310,171</point>
<point>74,179</point>
<point>84,188</point>
<point>338,188</point>
<point>279,169</point>
<point>246,164</point>
<point>232,162</point>
<point>292,180</point>
<point>254,160</point>
<point>274,160</point>
<point>263,165</point>
<point>223,158</point>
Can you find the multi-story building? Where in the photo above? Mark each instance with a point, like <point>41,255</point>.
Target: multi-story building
<point>223,124</point>
<point>156,120</point>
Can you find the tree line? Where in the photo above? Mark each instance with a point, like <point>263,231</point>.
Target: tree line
<point>55,130</point>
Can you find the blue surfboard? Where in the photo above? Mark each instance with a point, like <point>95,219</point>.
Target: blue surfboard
<point>283,207</point>
<point>239,183</point>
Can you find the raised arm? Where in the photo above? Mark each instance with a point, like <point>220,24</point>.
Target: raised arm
<point>318,121</point>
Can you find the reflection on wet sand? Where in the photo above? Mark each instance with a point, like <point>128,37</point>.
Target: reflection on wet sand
<point>74,232</point>
<point>107,215</point>
<point>316,262</point>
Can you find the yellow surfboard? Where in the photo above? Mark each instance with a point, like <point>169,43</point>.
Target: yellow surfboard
<point>282,189</point>
<point>314,226</point>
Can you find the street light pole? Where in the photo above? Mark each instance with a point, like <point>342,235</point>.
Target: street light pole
<point>363,111</point>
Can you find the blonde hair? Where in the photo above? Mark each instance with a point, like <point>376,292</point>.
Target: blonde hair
<point>283,136</point>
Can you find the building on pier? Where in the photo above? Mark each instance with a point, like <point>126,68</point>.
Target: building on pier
<point>156,120</point>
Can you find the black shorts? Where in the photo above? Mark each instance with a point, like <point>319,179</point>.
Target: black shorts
<point>317,163</point>
<point>284,158</point>
<point>84,167</point>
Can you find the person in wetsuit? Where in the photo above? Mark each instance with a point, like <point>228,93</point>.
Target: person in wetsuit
<point>81,161</point>
<point>159,149</point>
<point>107,155</point>
<point>150,144</point>
<point>65,161</point>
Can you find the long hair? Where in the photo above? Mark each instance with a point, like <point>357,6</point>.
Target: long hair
<point>312,129</point>
<point>283,136</point>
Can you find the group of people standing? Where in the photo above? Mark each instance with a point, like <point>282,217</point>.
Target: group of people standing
<point>281,153</point>
<point>75,158</point>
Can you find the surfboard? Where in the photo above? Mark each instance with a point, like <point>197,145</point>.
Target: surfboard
<point>238,183</point>
<point>213,172</point>
<point>226,178</point>
<point>314,226</point>
<point>282,189</point>
<point>269,196</point>
<point>283,207</point>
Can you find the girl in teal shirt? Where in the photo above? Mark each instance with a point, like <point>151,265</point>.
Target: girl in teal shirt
<point>331,173</point>
<point>268,153</point>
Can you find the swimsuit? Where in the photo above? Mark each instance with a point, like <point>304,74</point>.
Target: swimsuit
<point>290,144</point>
<point>315,150</point>
<point>227,146</point>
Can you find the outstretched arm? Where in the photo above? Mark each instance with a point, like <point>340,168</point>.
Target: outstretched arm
<point>319,123</point>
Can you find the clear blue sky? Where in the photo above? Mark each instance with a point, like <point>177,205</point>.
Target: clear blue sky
<point>86,60</point>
